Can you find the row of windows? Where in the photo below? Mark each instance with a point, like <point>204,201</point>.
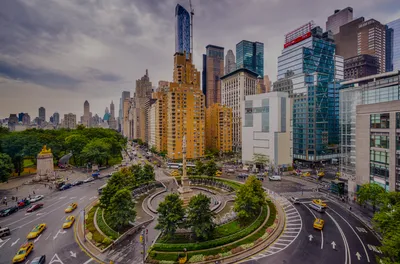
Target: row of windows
<point>379,156</point>
<point>380,120</point>
<point>379,141</point>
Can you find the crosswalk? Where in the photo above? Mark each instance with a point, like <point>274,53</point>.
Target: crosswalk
<point>290,233</point>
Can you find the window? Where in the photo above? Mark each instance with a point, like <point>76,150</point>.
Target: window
<point>380,120</point>
<point>379,170</point>
<point>379,156</point>
<point>398,120</point>
<point>379,141</point>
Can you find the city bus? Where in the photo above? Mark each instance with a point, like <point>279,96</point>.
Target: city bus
<point>179,165</point>
<point>100,190</point>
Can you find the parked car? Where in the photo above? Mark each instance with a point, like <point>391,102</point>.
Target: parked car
<point>88,180</point>
<point>9,211</point>
<point>65,186</point>
<point>36,198</point>
<point>77,183</point>
<point>34,207</point>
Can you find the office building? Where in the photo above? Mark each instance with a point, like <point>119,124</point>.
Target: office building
<point>161,123</point>
<point>182,30</point>
<point>185,110</point>
<point>234,87</point>
<point>26,119</point>
<point>128,122</point>
<point>285,84</point>
<point>360,66</point>
<point>12,122</point>
<point>213,70</point>
<point>309,61</point>
<point>394,50</point>
<point>152,123</point>
<point>250,55</point>
<point>125,95</point>
<point>86,119</point>
<point>267,84</point>
<point>377,94</point>
<point>230,62</point>
<point>42,115</point>
<point>266,128</point>
<point>339,18</point>
<point>346,40</point>
<point>56,119</point>
<point>219,128</point>
<point>69,121</point>
<point>112,122</point>
<point>20,116</point>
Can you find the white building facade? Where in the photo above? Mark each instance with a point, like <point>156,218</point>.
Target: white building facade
<point>267,128</point>
<point>234,87</point>
<point>152,124</point>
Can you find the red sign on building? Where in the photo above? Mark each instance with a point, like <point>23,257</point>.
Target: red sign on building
<point>297,40</point>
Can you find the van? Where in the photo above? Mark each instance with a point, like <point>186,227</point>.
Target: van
<point>317,207</point>
<point>275,178</point>
<point>5,232</point>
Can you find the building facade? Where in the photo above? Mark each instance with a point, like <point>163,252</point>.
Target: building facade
<point>250,55</point>
<point>315,72</point>
<point>112,121</point>
<point>182,30</point>
<point>267,128</point>
<point>234,87</point>
<point>339,18</point>
<point>346,40</point>
<point>230,62</point>
<point>267,84</point>
<point>373,92</point>
<point>218,134</point>
<point>42,115</point>
<point>26,119</point>
<point>213,70</point>
<point>69,121</point>
<point>86,119</point>
<point>152,123</point>
<point>394,50</point>
<point>161,124</point>
<point>56,118</point>
<point>125,95</point>
<point>360,66</point>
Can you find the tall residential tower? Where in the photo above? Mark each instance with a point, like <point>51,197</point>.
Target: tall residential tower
<point>213,70</point>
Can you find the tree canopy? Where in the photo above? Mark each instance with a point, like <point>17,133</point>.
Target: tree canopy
<point>121,209</point>
<point>6,167</point>
<point>200,217</point>
<point>370,192</point>
<point>170,214</point>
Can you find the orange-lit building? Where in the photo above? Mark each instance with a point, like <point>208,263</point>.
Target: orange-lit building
<point>219,128</point>
<point>161,123</point>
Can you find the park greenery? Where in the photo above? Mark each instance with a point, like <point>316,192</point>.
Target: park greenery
<point>170,215</point>
<point>200,218</point>
<point>88,145</point>
<point>386,220</point>
<point>116,198</point>
<point>6,167</point>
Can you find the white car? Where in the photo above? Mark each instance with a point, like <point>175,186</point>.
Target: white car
<point>36,198</point>
<point>88,180</point>
<point>294,200</point>
<point>275,178</point>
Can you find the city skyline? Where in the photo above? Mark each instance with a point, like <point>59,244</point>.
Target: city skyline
<point>98,62</point>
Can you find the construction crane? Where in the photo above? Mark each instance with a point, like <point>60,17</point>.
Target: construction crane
<point>191,27</point>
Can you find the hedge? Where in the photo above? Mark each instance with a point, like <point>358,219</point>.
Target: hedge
<point>104,227</point>
<point>232,184</point>
<point>216,242</point>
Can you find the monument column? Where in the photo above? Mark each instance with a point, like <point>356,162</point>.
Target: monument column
<point>185,191</point>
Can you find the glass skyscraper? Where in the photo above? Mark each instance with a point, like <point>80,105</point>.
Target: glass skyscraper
<point>395,26</point>
<point>182,30</point>
<point>250,55</point>
<point>315,72</point>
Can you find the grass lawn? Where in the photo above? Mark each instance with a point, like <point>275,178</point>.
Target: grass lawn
<point>28,163</point>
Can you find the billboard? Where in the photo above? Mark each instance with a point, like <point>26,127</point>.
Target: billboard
<point>297,40</point>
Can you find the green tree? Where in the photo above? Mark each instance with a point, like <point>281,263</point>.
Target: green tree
<point>200,217</point>
<point>76,143</point>
<point>170,214</point>
<point>370,192</point>
<point>148,173</point>
<point>121,209</point>
<point>117,182</point>
<point>211,168</point>
<point>199,167</point>
<point>260,160</point>
<point>6,167</point>
<point>96,151</point>
<point>249,199</point>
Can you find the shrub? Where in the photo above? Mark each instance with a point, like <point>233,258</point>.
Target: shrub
<point>211,257</point>
<point>97,237</point>
<point>226,254</point>
<point>103,226</point>
<point>196,258</point>
<point>107,241</point>
<point>90,226</point>
<point>152,261</point>
<point>167,262</point>
<point>237,250</point>
<point>246,246</point>
<point>166,256</point>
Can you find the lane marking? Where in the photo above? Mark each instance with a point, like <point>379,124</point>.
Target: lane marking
<point>72,197</point>
<point>48,236</point>
<point>347,254</point>
<point>322,233</point>
<point>3,242</point>
<point>15,242</point>
<point>38,218</point>
<point>37,239</point>
<point>82,198</point>
<point>365,250</point>
<point>55,259</point>
<point>62,197</point>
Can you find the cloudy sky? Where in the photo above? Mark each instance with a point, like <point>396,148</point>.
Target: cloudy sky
<point>59,53</point>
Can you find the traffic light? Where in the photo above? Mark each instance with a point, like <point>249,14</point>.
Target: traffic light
<point>141,239</point>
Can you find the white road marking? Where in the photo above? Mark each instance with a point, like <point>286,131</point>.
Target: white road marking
<point>55,259</point>
<point>358,256</point>
<point>72,197</point>
<point>36,218</point>
<point>366,253</point>
<point>82,198</point>
<point>73,254</point>
<point>27,214</point>
<point>88,261</point>
<point>15,242</point>
<point>27,262</point>
<point>333,244</point>
<point>361,229</point>
<point>62,197</point>
<point>37,239</point>
<point>347,254</point>
<point>59,232</point>
<point>310,237</point>
<point>374,248</point>
<point>40,213</point>
<point>48,236</point>
<point>91,198</point>
<point>3,242</point>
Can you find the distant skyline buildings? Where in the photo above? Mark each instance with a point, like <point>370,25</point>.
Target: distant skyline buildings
<point>182,30</point>
<point>230,62</point>
<point>42,114</point>
<point>339,18</point>
<point>250,56</point>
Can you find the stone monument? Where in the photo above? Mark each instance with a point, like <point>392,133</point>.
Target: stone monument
<point>184,190</point>
<point>45,165</point>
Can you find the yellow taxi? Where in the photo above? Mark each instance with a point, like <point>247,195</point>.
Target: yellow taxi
<point>175,173</point>
<point>306,174</point>
<point>218,173</point>
<point>71,207</point>
<point>69,221</point>
<point>319,224</point>
<point>23,252</point>
<point>321,174</point>
<point>319,202</point>
<point>36,231</point>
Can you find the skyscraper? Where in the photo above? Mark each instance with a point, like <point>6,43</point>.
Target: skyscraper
<point>395,26</point>
<point>339,18</point>
<point>112,122</point>
<point>56,118</point>
<point>213,70</point>
<point>346,39</point>
<point>230,62</point>
<point>316,74</point>
<point>182,30</point>
<point>86,119</point>
<point>125,95</point>
<point>250,55</point>
<point>42,114</point>
<point>20,116</point>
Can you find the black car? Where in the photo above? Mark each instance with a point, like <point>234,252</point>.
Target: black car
<point>65,186</point>
<point>39,260</point>
<point>9,211</point>
<point>77,183</point>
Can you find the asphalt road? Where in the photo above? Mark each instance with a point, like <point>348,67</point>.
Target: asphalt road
<point>344,238</point>
<point>57,244</point>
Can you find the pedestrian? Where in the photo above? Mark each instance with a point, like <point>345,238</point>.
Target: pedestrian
<point>29,196</point>
<point>34,192</point>
<point>350,208</point>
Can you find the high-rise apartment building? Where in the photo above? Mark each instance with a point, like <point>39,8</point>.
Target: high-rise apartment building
<point>161,123</point>
<point>393,40</point>
<point>213,70</point>
<point>86,119</point>
<point>112,122</point>
<point>56,118</point>
<point>230,62</point>
<point>125,95</point>
<point>69,121</point>
<point>152,123</point>
<point>219,128</point>
<point>234,87</point>
<point>42,115</point>
<point>182,30</point>
<point>339,18</point>
<point>26,119</point>
<point>315,71</point>
<point>128,122</point>
<point>250,55</point>
<point>185,110</point>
